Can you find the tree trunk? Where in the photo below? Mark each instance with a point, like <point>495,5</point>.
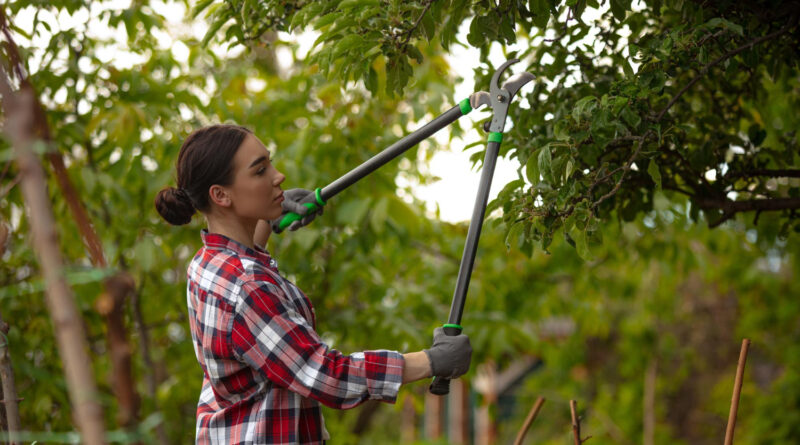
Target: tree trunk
<point>433,416</point>
<point>458,413</point>
<point>112,304</point>
<point>408,433</point>
<point>649,404</point>
<point>9,394</point>
<point>19,111</point>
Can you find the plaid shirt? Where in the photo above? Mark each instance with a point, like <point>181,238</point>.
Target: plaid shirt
<point>265,369</point>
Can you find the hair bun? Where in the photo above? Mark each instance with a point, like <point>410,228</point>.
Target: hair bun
<point>175,206</point>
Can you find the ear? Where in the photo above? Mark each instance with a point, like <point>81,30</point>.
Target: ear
<point>219,196</point>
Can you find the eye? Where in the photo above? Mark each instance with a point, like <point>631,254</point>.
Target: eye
<point>261,171</point>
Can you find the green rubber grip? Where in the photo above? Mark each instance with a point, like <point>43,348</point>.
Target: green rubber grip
<point>291,217</point>
<point>465,106</point>
<point>495,137</point>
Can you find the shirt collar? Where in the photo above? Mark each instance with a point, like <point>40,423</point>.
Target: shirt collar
<point>217,241</point>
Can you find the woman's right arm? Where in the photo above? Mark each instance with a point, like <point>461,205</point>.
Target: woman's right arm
<point>416,366</point>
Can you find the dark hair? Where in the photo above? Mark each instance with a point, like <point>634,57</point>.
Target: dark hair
<point>205,159</point>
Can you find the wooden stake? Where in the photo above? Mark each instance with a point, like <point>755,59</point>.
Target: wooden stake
<point>576,423</point>
<point>737,390</point>
<point>529,420</point>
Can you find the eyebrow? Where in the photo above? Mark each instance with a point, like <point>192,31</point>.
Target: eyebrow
<point>258,161</point>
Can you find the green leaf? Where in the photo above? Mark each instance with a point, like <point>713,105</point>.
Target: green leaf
<point>532,170</point>
<point>514,235</point>
<point>619,8</point>
<point>212,30</point>
<point>631,117</point>
<point>541,13</point>
<point>353,211</point>
<point>326,20</point>
<point>428,26</point>
<point>378,215</point>
<point>652,169</point>
<point>545,160</point>
<point>582,105</point>
<point>347,43</point>
<point>198,8</point>
<point>579,236</point>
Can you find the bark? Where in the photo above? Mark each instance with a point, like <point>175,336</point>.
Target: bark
<point>458,413</point>
<point>38,128</point>
<point>576,422</point>
<point>649,404</point>
<point>10,403</point>
<point>144,347</point>
<point>408,433</point>
<point>366,413</point>
<point>526,425</point>
<point>737,390</point>
<point>19,110</point>
<point>112,305</point>
<point>434,405</point>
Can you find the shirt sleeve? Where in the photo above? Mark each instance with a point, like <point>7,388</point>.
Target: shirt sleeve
<point>270,335</point>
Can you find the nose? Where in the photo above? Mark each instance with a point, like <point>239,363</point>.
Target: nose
<point>279,178</point>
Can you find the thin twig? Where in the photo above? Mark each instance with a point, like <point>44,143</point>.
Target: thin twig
<point>529,420</point>
<point>625,170</point>
<point>576,423</point>
<point>564,31</point>
<point>416,24</point>
<point>737,390</point>
<point>7,189</point>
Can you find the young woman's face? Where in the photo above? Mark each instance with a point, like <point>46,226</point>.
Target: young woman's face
<point>255,192</point>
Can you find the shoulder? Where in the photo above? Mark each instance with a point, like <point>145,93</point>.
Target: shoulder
<point>220,272</point>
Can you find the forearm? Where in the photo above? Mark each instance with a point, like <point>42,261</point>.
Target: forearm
<point>416,366</point>
<point>263,230</point>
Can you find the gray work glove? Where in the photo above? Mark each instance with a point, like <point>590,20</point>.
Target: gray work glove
<point>449,355</point>
<point>293,202</point>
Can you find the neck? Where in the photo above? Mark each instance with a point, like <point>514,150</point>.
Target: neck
<point>233,228</point>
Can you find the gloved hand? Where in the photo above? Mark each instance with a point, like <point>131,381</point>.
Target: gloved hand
<point>449,355</point>
<point>293,200</point>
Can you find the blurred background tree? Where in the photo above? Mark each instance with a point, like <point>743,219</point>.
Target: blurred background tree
<point>653,220</point>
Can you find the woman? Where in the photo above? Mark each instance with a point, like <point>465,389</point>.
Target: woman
<point>265,369</point>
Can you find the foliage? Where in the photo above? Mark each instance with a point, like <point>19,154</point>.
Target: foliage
<point>677,96</point>
<point>654,287</point>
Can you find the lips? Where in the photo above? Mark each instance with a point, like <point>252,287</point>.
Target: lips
<point>280,197</point>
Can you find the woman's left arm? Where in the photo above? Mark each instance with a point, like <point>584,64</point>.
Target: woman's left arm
<point>263,231</point>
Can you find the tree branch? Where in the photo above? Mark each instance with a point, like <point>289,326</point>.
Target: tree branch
<point>786,173</point>
<point>717,61</point>
<point>730,208</point>
<point>625,169</point>
<point>416,24</point>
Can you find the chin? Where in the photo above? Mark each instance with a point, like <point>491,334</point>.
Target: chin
<point>274,216</point>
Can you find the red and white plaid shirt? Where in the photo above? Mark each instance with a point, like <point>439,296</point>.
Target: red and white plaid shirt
<point>265,369</point>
